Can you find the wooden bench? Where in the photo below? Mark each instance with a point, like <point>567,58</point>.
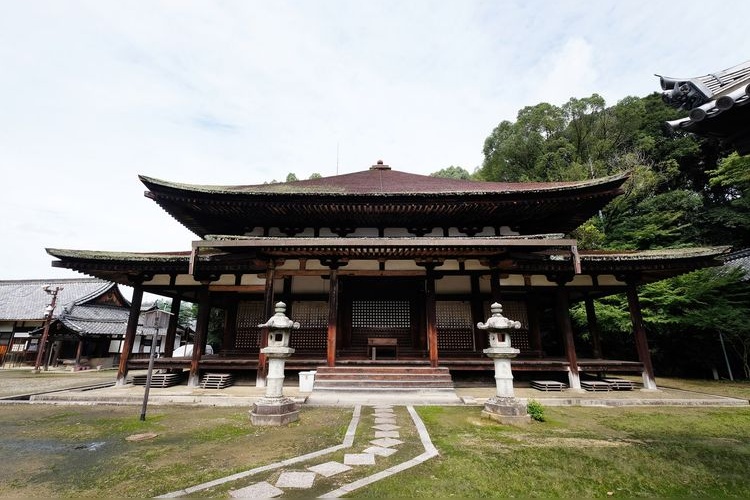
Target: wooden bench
<point>383,342</point>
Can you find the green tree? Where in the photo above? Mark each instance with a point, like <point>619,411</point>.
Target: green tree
<point>452,172</point>
<point>315,175</point>
<point>291,177</point>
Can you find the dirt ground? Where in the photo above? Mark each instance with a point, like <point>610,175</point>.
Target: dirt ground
<point>18,381</point>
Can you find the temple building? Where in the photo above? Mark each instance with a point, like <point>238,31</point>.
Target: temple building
<point>382,267</point>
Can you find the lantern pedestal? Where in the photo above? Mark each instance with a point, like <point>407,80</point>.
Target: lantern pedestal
<point>274,408</point>
<point>503,407</point>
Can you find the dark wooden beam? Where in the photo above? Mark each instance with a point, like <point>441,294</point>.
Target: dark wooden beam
<point>333,313</point>
<point>130,331</point>
<point>201,334</point>
<point>641,342</point>
<point>431,316</point>
<point>562,311</point>
<point>174,321</point>
<point>268,311</point>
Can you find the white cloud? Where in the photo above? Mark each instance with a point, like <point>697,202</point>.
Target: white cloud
<point>93,93</point>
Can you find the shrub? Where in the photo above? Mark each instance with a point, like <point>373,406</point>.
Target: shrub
<point>536,410</point>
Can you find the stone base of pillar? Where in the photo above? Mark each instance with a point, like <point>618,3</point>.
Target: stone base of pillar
<point>506,411</point>
<point>274,411</point>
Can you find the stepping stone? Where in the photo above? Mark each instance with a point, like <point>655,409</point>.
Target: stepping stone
<point>301,480</point>
<point>387,434</point>
<point>359,459</point>
<point>384,414</point>
<point>257,490</point>
<point>379,450</point>
<point>386,442</point>
<point>382,407</point>
<point>379,421</point>
<point>329,469</point>
<point>385,427</point>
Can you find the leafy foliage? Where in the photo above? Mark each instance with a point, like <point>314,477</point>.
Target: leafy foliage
<point>535,410</point>
<point>682,191</point>
<point>452,172</point>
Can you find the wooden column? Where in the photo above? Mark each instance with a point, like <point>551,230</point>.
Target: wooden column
<point>495,285</point>
<point>79,350</point>
<point>641,343</point>
<point>174,321</point>
<point>477,314</point>
<point>130,331</point>
<point>562,313</point>
<point>593,327</point>
<point>201,334</point>
<point>230,326</point>
<point>431,316</point>
<point>268,311</point>
<point>333,315</point>
<point>535,331</point>
<point>533,311</point>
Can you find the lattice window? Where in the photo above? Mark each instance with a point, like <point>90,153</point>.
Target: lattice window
<point>515,310</point>
<point>249,316</point>
<point>455,330</point>
<point>381,314</point>
<point>381,318</point>
<point>313,319</point>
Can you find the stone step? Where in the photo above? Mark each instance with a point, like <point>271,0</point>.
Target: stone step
<point>400,378</point>
<point>382,369</point>
<point>382,376</point>
<point>363,383</point>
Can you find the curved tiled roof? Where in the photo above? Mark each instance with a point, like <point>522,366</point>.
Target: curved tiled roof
<point>717,102</point>
<point>381,198</point>
<point>379,182</point>
<point>25,300</point>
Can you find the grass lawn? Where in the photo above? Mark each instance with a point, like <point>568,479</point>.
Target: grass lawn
<point>81,451</point>
<point>582,452</point>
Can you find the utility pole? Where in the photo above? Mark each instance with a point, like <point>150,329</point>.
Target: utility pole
<point>48,311</point>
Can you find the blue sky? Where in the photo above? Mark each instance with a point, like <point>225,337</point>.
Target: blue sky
<point>241,92</point>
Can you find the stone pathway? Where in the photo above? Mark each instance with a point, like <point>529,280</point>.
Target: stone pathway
<point>385,444</point>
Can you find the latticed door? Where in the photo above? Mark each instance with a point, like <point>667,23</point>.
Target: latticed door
<point>312,316</point>
<point>455,332</point>
<point>249,316</point>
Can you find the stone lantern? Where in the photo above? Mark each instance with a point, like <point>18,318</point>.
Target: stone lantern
<point>274,408</point>
<point>503,407</point>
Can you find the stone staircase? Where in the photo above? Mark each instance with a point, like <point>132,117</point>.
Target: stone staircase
<point>382,378</point>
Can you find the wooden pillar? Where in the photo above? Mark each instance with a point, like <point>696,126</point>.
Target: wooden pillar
<point>174,321</point>
<point>79,350</point>
<point>495,285</point>
<point>562,311</point>
<point>130,331</point>
<point>431,316</point>
<point>641,343</point>
<point>201,335</point>
<point>268,311</point>
<point>230,326</point>
<point>333,316</point>
<point>535,331</point>
<point>593,327</point>
<point>477,314</point>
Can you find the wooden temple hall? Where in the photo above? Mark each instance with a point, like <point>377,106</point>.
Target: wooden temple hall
<point>383,267</point>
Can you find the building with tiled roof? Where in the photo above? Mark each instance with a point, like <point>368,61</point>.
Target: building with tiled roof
<point>88,322</point>
<point>388,258</point>
<point>717,104</point>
